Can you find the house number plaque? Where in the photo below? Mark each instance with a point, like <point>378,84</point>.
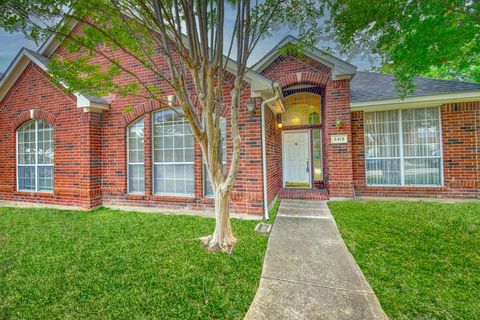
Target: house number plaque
<point>339,138</point>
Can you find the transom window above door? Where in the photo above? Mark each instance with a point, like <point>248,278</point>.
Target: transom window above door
<point>302,109</point>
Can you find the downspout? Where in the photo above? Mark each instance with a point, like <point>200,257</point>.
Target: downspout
<point>276,89</point>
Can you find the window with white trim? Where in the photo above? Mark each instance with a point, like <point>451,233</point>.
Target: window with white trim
<point>403,147</point>
<point>207,184</point>
<point>173,155</point>
<point>136,158</point>
<point>35,157</point>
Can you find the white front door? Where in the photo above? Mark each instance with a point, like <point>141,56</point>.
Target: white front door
<point>296,157</point>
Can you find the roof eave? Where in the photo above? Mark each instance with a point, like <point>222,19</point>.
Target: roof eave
<point>334,63</point>
<point>258,82</point>
<point>416,101</point>
<point>18,65</point>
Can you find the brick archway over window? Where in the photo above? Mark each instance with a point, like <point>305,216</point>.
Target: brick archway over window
<point>140,111</point>
<point>299,78</point>
<point>31,115</point>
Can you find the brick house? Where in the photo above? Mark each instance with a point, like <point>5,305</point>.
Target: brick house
<point>312,127</point>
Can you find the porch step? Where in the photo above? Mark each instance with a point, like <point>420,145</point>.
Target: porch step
<point>303,194</point>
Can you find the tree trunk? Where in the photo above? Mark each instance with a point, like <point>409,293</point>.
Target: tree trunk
<point>222,238</point>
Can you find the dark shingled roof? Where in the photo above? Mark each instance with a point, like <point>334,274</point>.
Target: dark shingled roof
<point>367,86</point>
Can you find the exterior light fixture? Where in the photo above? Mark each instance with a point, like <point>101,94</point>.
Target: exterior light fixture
<point>279,125</point>
<point>251,108</point>
<point>338,122</point>
<point>172,100</point>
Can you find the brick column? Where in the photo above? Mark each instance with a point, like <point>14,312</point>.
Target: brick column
<point>148,161</point>
<point>91,165</point>
<point>339,156</point>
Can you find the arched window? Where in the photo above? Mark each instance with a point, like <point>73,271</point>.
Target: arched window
<point>302,109</point>
<point>135,146</point>
<point>207,184</point>
<point>172,155</point>
<point>35,156</point>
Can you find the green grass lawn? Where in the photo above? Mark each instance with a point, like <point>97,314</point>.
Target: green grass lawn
<point>122,265</point>
<point>422,259</point>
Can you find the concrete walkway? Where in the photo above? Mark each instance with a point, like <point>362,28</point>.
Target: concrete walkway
<point>308,271</point>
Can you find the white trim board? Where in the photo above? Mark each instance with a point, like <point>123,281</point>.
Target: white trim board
<point>419,101</point>
<point>20,63</point>
<point>340,68</point>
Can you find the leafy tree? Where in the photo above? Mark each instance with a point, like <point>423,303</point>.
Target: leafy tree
<point>190,36</point>
<point>420,37</point>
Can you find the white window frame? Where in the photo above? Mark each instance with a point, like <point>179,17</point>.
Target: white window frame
<point>169,194</point>
<point>36,165</point>
<point>401,151</point>
<point>313,153</point>
<point>134,163</point>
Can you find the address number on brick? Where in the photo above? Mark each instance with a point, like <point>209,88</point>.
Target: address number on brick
<point>339,138</point>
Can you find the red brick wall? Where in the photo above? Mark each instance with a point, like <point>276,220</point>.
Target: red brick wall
<point>337,162</point>
<point>247,196</point>
<point>90,149</point>
<point>338,156</point>
<point>76,165</point>
<point>273,137</point>
<point>461,156</point>
<point>285,69</point>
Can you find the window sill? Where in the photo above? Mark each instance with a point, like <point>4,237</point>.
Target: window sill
<point>43,194</point>
<point>208,200</point>
<point>135,196</point>
<point>405,186</point>
<point>173,198</point>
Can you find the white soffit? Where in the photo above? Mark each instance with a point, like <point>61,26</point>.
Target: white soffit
<point>22,60</point>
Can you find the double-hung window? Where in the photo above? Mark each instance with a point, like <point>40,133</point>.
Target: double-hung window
<point>35,157</point>
<point>403,147</point>
<point>173,155</point>
<point>135,146</point>
<point>207,184</point>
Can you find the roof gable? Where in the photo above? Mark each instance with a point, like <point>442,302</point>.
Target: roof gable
<point>22,60</point>
<point>340,68</point>
<point>260,85</point>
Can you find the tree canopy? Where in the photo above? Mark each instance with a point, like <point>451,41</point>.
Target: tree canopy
<point>439,38</point>
<point>180,45</point>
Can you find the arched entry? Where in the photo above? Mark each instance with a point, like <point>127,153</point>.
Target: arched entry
<point>302,138</point>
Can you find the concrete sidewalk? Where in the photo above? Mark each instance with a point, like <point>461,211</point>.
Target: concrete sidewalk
<point>308,271</point>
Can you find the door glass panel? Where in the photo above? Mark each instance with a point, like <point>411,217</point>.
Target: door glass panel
<point>317,154</point>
